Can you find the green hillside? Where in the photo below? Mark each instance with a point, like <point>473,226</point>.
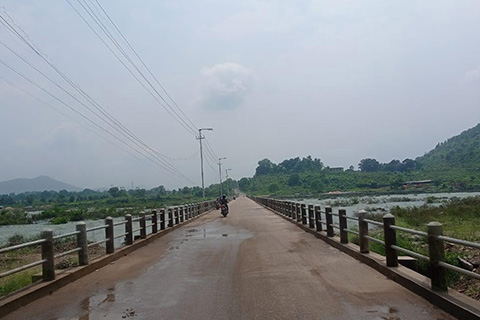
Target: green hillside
<point>454,165</point>
<point>459,152</point>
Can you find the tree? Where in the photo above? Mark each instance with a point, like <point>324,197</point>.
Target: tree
<point>265,166</point>
<point>294,180</point>
<point>114,192</point>
<point>369,165</point>
<point>273,188</point>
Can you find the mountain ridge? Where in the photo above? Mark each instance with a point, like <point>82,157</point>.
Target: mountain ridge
<point>40,183</point>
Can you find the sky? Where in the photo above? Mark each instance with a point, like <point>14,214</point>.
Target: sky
<point>337,80</point>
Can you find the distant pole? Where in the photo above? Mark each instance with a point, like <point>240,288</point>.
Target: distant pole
<point>226,179</point>
<point>220,173</point>
<point>200,138</point>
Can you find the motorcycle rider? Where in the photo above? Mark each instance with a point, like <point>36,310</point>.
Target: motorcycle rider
<point>224,201</point>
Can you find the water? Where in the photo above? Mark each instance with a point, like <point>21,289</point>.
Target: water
<point>383,203</point>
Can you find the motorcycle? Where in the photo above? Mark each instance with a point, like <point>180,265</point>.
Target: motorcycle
<point>224,210</point>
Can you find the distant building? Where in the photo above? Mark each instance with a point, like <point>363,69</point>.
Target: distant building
<point>336,169</point>
<point>416,184</point>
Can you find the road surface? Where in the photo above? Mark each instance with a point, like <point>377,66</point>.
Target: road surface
<point>250,265</point>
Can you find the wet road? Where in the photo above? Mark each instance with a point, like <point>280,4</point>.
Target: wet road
<point>251,265</point>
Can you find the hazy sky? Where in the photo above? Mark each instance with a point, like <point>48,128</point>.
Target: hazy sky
<point>338,80</point>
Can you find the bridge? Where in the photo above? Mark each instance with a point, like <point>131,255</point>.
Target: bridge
<point>254,264</point>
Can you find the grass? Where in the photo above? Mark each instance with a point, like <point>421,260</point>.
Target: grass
<point>18,280</point>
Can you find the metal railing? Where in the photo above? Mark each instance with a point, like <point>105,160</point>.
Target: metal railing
<point>318,219</point>
<point>161,219</point>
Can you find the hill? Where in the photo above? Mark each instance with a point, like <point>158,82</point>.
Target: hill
<point>41,183</point>
<point>459,152</point>
<point>453,165</point>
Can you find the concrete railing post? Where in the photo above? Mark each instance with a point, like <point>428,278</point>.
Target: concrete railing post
<point>143,225</point>
<point>48,267</point>
<point>329,221</point>
<point>128,229</point>
<point>436,252</point>
<point>342,221</point>
<point>154,221</point>
<point>176,215</point>
<point>110,244</point>
<point>362,232</point>
<point>181,213</point>
<point>390,236</point>
<point>162,219</point>
<point>82,243</point>
<point>298,212</point>
<point>304,213</point>
<point>318,218</point>
<point>170,217</point>
<point>311,217</point>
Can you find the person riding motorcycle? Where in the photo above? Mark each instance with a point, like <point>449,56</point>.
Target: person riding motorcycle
<point>224,201</point>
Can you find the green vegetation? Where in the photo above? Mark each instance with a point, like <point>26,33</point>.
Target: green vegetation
<point>61,207</point>
<point>460,219</point>
<point>453,165</point>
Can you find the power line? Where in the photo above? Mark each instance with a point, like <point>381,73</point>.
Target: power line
<point>94,123</point>
<point>104,29</point>
<point>68,116</point>
<point>164,164</point>
<point>116,124</point>
<point>143,63</point>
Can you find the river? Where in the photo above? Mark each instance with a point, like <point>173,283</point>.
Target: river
<point>352,205</point>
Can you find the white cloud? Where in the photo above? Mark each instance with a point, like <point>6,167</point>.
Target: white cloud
<point>473,75</point>
<point>226,85</point>
<point>64,136</point>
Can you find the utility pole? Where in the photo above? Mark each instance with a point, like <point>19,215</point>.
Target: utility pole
<point>220,173</point>
<point>226,179</point>
<point>200,138</point>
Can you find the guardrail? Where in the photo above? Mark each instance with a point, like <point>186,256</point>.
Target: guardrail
<point>322,221</point>
<point>135,228</point>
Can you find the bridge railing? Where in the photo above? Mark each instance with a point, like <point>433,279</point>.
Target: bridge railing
<point>325,221</point>
<point>135,228</point>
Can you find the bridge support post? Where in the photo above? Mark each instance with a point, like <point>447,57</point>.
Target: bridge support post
<point>128,230</point>
<point>329,221</point>
<point>362,232</point>
<point>181,213</point>
<point>303,206</point>
<point>48,267</point>
<point>143,225</point>
<point>162,219</point>
<point>109,235</point>
<point>176,216</point>
<point>390,236</point>
<point>311,217</point>
<point>318,218</point>
<point>436,252</point>
<point>154,221</point>
<point>342,219</point>
<point>170,217</point>
<point>298,212</point>
<point>82,243</point>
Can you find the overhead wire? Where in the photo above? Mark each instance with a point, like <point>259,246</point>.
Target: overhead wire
<point>143,63</point>
<point>97,18</point>
<point>157,96</point>
<point>84,117</point>
<point>66,115</point>
<point>13,30</point>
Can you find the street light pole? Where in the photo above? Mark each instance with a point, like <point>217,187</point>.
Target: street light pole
<point>220,173</point>
<point>200,137</point>
<point>226,179</point>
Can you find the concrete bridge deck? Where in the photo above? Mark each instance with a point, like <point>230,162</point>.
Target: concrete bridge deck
<point>250,265</point>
